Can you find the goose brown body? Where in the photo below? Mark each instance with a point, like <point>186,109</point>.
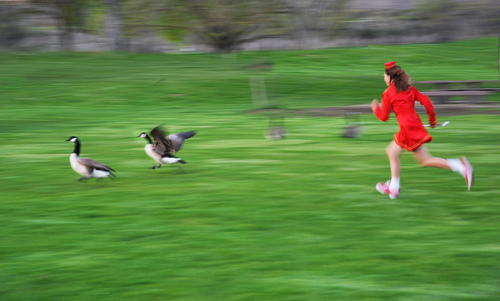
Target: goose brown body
<point>162,147</point>
<point>87,167</point>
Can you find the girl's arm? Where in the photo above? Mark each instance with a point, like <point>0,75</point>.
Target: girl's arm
<point>426,102</point>
<point>382,113</point>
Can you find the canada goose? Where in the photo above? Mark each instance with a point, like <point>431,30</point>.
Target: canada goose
<point>163,147</point>
<point>88,168</point>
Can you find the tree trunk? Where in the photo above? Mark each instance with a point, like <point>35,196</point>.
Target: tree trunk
<point>114,26</point>
<point>66,39</point>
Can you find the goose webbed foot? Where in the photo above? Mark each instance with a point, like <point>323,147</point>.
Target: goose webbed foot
<point>83,179</point>
<point>155,167</point>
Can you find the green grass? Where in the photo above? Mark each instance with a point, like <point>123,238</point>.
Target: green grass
<point>250,219</point>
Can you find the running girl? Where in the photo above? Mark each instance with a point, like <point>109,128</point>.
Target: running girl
<point>400,98</point>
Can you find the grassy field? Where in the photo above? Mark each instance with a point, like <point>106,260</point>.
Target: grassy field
<point>250,219</point>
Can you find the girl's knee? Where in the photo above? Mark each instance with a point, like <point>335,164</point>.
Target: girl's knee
<point>391,152</point>
<point>422,163</point>
<point>425,162</point>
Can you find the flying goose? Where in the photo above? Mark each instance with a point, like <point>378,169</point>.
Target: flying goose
<point>164,146</point>
<point>88,168</point>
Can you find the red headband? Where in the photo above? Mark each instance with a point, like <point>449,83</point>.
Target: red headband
<point>389,65</point>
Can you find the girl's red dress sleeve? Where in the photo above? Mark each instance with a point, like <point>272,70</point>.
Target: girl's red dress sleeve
<point>426,102</point>
<point>382,112</point>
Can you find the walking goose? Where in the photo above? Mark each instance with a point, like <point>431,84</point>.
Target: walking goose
<point>163,147</point>
<point>88,168</point>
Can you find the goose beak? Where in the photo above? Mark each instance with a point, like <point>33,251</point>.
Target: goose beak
<point>69,139</point>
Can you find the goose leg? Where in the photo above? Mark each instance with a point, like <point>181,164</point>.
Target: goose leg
<point>83,179</point>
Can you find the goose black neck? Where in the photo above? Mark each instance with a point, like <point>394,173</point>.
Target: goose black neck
<point>149,139</point>
<point>77,147</point>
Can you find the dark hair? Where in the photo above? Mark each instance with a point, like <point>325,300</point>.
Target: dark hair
<point>401,79</point>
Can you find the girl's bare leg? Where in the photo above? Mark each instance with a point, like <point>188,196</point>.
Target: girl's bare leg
<point>393,151</point>
<point>461,166</point>
<point>423,157</point>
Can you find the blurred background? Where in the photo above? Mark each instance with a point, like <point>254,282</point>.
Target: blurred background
<point>274,204</point>
<point>229,25</point>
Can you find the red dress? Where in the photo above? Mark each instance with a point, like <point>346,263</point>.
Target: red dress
<point>412,133</point>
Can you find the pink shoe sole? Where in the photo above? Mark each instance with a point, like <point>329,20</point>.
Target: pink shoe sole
<point>383,188</point>
<point>469,173</point>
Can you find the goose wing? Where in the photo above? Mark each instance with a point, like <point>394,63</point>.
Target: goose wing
<point>176,140</point>
<point>161,143</point>
<point>93,164</point>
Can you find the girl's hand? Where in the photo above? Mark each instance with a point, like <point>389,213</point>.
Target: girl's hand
<point>375,105</point>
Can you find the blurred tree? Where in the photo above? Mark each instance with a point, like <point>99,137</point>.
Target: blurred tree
<point>221,24</point>
<point>114,25</point>
<point>175,22</point>
<point>439,16</point>
<point>11,31</point>
<point>69,15</point>
<point>313,18</point>
<point>166,17</point>
<point>226,24</point>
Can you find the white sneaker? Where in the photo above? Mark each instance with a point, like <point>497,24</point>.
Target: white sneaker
<point>468,173</point>
<point>383,188</point>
